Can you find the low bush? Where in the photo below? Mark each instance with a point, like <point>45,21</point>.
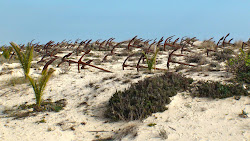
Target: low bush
<point>196,59</point>
<point>46,105</point>
<point>223,55</point>
<point>24,110</point>
<point>240,66</point>
<point>214,66</point>
<point>243,77</point>
<point>217,90</point>
<point>146,97</point>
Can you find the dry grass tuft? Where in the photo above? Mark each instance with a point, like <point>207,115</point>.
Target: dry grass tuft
<point>197,58</point>
<point>208,45</point>
<point>13,81</point>
<point>238,44</point>
<point>129,130</point>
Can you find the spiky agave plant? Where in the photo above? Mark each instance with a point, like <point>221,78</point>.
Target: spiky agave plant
<point>25,58</point>
<point>39,85</point>
<point>151,61</point>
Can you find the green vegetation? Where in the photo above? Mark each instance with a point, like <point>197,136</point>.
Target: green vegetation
<point>151,62</point>
<point>146,97</point>
<point>240,66</point>
<point>217,90</point>
<point>6,52</point>
<point>151,124</point>
<point>24,58</point>
<point>46,105</point>
<point>41,121</point>
<point>39,86</point>
<point>243,114</point>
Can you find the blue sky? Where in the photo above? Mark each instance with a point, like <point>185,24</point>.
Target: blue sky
<point>44,20</point>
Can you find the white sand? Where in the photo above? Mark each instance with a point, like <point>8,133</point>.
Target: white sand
<point>187,118</point>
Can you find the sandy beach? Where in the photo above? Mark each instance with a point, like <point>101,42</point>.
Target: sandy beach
<point>87,95</point>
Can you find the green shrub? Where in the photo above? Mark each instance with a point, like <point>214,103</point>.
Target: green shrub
<point>240,66</point>
<point>243,77</point>
<point>217,90</point>
<point>146,97</point>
